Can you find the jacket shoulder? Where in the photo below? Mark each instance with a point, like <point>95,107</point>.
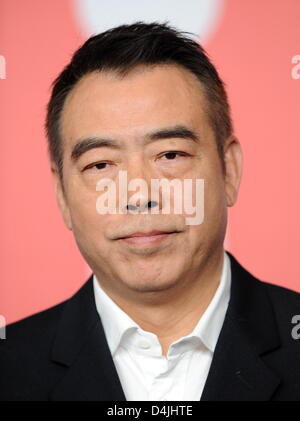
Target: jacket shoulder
<point>35,324</point>
<point>267,300</point>
<point>286,307</point>
<point>25,364</point>
<point>283,295</point>
<point>283,299</point>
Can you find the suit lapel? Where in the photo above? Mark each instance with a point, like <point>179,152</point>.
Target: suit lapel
<point>81,349</point>
<point>237,371</point>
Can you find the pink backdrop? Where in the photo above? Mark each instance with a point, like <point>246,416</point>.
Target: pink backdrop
<point>252,46</point>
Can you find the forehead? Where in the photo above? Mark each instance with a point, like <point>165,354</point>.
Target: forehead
<point>143,100</point>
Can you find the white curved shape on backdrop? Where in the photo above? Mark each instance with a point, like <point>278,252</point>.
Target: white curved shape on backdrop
<point>201,17</point>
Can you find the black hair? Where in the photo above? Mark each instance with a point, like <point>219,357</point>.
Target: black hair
<point>122,49</point>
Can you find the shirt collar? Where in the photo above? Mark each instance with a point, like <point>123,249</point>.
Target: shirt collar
<point>117,323</point>
<point>210,324</point>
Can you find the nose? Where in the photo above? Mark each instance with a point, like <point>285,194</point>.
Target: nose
<point>143,206</point>
<point>140,196</point>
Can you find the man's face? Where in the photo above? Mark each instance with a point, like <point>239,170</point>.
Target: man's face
<point>133,114</point>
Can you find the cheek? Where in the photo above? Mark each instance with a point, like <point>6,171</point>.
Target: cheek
<point>89,232</point>
<point>85,218</point>
<point>215,209</point>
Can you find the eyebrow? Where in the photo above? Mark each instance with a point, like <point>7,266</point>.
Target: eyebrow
<point>92,142</point>
<point>181,132</point>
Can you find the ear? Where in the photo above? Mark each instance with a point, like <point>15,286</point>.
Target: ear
<point>233,159</point>
<point>61,196</point>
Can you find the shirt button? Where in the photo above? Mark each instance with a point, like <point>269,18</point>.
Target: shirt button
<point>143,343</point>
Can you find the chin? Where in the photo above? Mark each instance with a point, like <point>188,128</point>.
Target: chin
<point>150,284</point>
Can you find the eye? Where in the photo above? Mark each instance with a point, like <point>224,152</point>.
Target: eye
<point>100,165</point>
<point>172,155</point>
<point>96,166</point>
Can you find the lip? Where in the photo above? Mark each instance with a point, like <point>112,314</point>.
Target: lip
<point>153,237</point>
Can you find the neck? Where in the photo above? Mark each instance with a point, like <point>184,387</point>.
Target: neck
<point>176,312</point>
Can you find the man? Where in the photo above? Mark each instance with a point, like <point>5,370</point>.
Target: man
<point>168,314</point>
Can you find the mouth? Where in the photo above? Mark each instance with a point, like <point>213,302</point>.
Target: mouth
<point>153,237</point>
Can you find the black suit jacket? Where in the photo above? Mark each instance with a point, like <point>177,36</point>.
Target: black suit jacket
<point>62,353</point>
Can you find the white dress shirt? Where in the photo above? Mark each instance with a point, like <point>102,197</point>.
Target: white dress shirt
<point>145,374</point>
